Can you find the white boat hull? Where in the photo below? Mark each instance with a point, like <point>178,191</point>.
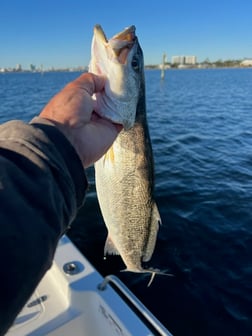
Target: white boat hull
<point>74,299</point>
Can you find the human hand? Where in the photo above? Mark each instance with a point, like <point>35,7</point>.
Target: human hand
<point>73,111</point>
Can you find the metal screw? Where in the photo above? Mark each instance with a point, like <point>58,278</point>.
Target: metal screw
<point>73,268</point>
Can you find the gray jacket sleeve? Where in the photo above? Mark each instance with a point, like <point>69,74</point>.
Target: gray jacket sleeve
<point>42,184</point>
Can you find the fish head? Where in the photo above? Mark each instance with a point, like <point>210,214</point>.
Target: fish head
<point>120,59</point>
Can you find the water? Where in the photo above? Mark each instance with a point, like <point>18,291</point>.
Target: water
<point>201,129</point>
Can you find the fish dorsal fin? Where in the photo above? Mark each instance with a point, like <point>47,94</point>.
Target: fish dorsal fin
<point>153,230</point>
<point>110,247</point>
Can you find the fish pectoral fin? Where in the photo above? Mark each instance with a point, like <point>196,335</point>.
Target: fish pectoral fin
<point>110,247</point>
<point>152,236</point>
<point>109,156</point>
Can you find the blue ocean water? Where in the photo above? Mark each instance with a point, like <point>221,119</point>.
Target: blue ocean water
<point>201,128</point>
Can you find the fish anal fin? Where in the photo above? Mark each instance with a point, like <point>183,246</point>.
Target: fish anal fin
<point>153,230</point>
<point>110,247</point>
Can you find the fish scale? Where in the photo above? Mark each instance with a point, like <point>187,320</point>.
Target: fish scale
<point>124,188</point>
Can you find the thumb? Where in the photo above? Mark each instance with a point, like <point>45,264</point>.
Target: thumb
<point>89,82</point>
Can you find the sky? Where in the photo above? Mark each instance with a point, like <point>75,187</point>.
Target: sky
<point>58,33</point>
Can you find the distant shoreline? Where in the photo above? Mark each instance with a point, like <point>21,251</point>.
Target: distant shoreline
<point>206,64</point>
<point>147,67</point>
<point>198,68</point>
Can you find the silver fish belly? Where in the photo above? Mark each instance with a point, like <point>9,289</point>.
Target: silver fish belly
<point>125,185</point>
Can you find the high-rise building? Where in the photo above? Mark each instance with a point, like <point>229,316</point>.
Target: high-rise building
<point>181,60</point>
<point>18,67</point>
<point>178,60</point>
<point>190,60</point>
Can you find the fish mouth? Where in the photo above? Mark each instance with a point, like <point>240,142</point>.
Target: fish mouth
<point>120,44</point>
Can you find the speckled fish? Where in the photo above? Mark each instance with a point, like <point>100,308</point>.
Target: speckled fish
<point>124,175</point>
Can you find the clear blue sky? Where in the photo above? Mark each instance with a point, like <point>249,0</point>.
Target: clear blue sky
<point>59,32</point>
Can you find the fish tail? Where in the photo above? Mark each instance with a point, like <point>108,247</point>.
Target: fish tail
<point>151,278</point>
<point>152,271</point>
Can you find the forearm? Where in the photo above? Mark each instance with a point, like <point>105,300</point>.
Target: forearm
<point>42,184</point>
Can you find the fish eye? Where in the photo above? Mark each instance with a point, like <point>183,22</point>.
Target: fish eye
<point>135,63</point>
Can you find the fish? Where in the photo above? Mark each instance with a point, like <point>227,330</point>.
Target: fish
<point>124,176</point>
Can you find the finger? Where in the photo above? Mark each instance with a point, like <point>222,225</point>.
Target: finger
<point>89,82</point>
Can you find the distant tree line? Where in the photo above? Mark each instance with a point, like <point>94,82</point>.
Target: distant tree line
<point>205,64</point>
<point>223,63</point>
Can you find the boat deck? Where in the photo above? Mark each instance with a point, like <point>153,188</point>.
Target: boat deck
<point>73,298</point>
